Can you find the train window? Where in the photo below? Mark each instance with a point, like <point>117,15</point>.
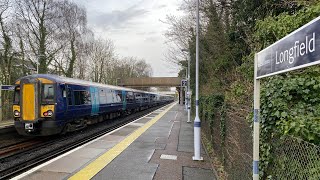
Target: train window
<point>64,93</point>
<point>69,97</point>
<point>47,93</point>
<point>85,97</point>
<point>82,97</point>
<point>119,96</point>
<point>130,97</point>
<point>77,98</point>
<point>17,95</point>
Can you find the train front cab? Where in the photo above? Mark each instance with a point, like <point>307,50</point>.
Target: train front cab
<point>34,107</point>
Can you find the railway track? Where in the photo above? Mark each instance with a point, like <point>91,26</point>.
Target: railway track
<point>26,156</point>
<point>14,148</point>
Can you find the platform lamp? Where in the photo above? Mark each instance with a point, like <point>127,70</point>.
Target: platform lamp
<point>188,85</point>
<point>197,122</point>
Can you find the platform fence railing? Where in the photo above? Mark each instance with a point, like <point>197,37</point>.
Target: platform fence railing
<point>294,158</point>
<point>231,139</point>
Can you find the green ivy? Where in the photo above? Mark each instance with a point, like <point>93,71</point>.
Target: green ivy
<point>290,103</point>
<point>209,107</point>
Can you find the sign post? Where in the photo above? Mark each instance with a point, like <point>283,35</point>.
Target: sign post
<point>183,84</point>
<point>297,50</point>
<point>256,122</point>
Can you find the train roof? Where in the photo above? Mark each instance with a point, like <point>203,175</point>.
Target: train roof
<point>61,79</point>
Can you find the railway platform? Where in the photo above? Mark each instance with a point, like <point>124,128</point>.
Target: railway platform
<point>157,146</point>
<point>6,123</point>
<point>6,126</point>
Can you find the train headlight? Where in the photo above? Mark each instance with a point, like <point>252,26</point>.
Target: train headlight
<point>48,113</point>
<point>16,113</point>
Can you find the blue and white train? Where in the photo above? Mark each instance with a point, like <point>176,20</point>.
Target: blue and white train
<point>49,104</point>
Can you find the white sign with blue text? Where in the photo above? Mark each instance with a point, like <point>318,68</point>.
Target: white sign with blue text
<point>299,49</point>
<point>184,82</point>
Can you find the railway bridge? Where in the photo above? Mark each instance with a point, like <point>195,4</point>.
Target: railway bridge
<point>145,82</point>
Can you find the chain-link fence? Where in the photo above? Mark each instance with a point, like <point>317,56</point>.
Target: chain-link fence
<point>238,146</point>
<point>231,139</point>
<point>293,158</point>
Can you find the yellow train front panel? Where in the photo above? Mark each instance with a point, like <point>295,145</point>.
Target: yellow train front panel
<point>28,102</point>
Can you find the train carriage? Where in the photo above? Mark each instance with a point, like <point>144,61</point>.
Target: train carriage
<point>49,104</point>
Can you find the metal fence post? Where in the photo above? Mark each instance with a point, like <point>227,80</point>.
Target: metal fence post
<point>256,123</point>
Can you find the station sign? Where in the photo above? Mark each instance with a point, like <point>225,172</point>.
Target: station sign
<point>184,83</point>
<point>297,50</point>
<point>7,87</point>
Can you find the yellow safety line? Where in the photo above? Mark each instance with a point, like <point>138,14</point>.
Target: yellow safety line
<point>97,165</point>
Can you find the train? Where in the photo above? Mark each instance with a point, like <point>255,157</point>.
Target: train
<point>46,104</point>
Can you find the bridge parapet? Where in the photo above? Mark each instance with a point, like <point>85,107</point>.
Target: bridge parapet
<point>151,82</point>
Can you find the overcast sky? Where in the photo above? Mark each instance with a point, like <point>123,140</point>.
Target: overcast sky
<point>135,28</point>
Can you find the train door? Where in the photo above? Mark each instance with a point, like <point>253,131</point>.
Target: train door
<point>124,100</point>
<point>29,101</point>
<point>70,103</point>
<point>63,102</point>
<point>94,100</point>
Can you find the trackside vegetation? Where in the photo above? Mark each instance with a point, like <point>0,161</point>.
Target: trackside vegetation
<point>232,32</point>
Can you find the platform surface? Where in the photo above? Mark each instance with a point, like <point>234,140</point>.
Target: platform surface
<point>157,146</point>
<point>6,123</point>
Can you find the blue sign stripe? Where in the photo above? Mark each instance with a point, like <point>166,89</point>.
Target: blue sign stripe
<point>197,124</point>
<point>297,50</point>
<point>255,167</point>
<point>7,87</point>
<point>197,102</point>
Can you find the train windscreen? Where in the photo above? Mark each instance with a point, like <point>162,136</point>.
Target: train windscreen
<point>17,95</point>
<point>47,93</point>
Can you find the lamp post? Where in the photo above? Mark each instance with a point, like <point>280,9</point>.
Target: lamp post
<point>188,91</point>
<point>185,93</point>
<point>197,122</point>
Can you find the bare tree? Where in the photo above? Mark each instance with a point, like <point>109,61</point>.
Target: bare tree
<point>100,57</point>
<point>6,52</point>
<point>39,21</point>
<point>82,63</point>
<point>73,26</point>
